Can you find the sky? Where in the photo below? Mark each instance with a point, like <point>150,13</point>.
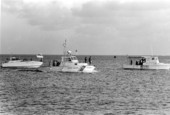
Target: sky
<point>92,27</point>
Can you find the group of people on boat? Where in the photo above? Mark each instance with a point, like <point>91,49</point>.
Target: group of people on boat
<point>89,60</point>
<point>140,62</point>
<point>54,63</point>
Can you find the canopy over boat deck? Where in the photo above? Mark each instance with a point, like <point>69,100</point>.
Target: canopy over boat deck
<point>140,60</point>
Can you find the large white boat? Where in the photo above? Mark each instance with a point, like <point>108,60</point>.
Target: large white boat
<point>70,63</point>
<point>21,64</point>
<point>145,63</point>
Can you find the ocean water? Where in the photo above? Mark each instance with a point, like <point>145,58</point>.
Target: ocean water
<point>110,91</point>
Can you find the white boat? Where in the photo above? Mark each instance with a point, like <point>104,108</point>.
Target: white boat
<point>21,64</point>
<point>40,56</point>
<point>70,63</point>
<point>145,63</point>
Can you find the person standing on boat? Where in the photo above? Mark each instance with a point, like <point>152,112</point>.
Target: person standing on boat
<point>136,62</point>
<point>90,60</point>
<point>41,59</point>
<point>85,59</point>
<point>131,62</point>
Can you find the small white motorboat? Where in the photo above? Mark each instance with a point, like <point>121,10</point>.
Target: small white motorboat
<point>40,56</point>
<point>145,63</point>
<point>21,64</point>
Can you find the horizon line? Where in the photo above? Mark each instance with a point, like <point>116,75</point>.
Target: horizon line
<point>97,54</point>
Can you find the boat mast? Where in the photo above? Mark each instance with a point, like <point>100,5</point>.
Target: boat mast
<point>76,52</point>
<point>64,52</point>
<point>152,52</point>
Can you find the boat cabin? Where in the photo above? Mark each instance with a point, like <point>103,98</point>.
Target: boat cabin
<point>72,59</point>
<point>140,60</point>
<point>65,60</point>
<point>152,60</point>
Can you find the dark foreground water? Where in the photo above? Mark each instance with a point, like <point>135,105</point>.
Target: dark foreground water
<point>111,91</point>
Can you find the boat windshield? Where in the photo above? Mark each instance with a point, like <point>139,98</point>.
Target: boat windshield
<point>67,59</point>
<point>70,59</point>
<point>74,58</point>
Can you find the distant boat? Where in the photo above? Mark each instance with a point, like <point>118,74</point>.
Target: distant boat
<point>145,63</point>
<point>40,56</point>
<point>21,64</point>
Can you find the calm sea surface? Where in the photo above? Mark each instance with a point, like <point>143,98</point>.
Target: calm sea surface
<point>111,91</point>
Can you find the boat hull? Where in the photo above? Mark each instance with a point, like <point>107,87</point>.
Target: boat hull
<point>22,64</point>
<point>73,69</point>
<point>147,67</point>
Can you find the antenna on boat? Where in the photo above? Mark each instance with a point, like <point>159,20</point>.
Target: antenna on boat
<point>151,50</point>
<point>65,46</point>
<point>64,52</point>
<point>76,52</point>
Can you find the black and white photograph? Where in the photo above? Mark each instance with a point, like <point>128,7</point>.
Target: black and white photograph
<point>85,57</point>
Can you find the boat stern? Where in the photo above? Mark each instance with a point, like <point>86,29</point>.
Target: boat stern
<point>88,69</point>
